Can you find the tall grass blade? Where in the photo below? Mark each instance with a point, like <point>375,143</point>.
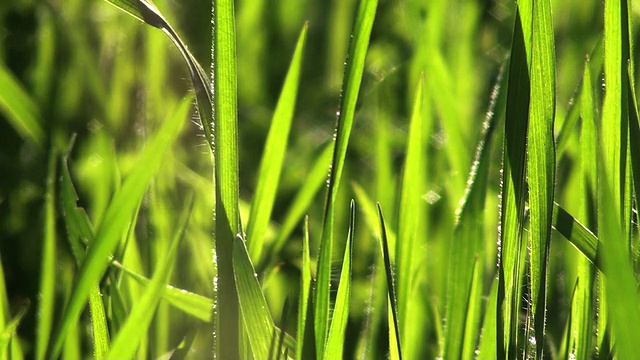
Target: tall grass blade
<point>117,220</point>
<point>394,333</point>
<point>356,55</point>
<point>273,155</point>
<point>513,186</point>
<point>227,213</point>
<point>466,253</point>
<point>305,286</point>
<point>541,163</point>
<point>128,338</point>
<point>48,271</point>
<point>336,338</point>
<point>19,108</point>
<point>409,214</point>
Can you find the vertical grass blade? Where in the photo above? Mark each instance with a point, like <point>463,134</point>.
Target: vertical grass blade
<point>394,333</point>
<point>351,86</point>
<point>466,255</point>
<point>541,162</point>
<point>137,324</point>
<point>513,186</point>
<point>273,155</point>
<point>117,220</point>
<point>336,338</point>
<point>227,214</point>
<point>48,270</point>
<point>305,286</point>
<point>19,108</point>
<point>410,212</point>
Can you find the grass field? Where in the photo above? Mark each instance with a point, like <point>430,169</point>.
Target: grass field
<point>312,179</point>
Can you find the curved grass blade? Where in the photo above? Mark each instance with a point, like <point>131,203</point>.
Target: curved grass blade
<point>467,252</point>
<point>256,317</point>
<point>513,186</point>
<point>409,214</point>
<point>394,335</point>
<point>19,108</point>
<point>541,163</point>
<point>273,155</point>
<point>305,286</point>
<point>10,329</point>
<point>351,86</point>
<point>117,220</point>
<point>125,344</point>
<point>48,271</point>
<point>336,337</point>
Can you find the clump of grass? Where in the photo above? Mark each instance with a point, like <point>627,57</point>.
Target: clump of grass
<point>147,228</point>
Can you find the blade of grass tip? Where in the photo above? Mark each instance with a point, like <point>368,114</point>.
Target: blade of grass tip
<point>305,286</point>
<point>467,253</point>
<point>19,108</point>
<point>227,214</point>
<point>409,214</point>
<point>126,343</point>
<point>7,336</point>
<point>356,55</point>
<point>273,155</point>
<point>338,326</point>
<point>513,186</point>
<point>117,220</point>
<point>256,317</point>
<point>46,303</point>
<point>541,164</point>
<point>394,335</point>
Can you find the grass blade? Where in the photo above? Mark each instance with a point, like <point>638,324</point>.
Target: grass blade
<point>19,108</point>
<point>409,214</point>
<point>48,270</point>
<point>394,335</point>
<point>7,336</point>
<point>273,155</point>
<point>256,317</point>
<point>541,163</point>
<point>117,220</point>
<point>305,286</point>
<point>137,324</point>
<point>356,55</point>
<point>336,337</point>
<point>513,187</point>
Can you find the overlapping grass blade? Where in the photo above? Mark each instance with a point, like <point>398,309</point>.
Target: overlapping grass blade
<point>256,318</point>
<point>513,185</point>
<point>7,336</point>
<point>358,46</point>
<point>467,250</point>
<point>336,338</point>
<point>541,163</point>
<point>19,108</point>
<point>395,345</point>
<point>273,155</point>
<point>128,338</point>
<point>305,287</point>
<point>117,220</point>
<point>48,271</point>
<point>409,214</point>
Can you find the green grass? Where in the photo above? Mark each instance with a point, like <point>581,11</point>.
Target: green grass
<point>360,179</point>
